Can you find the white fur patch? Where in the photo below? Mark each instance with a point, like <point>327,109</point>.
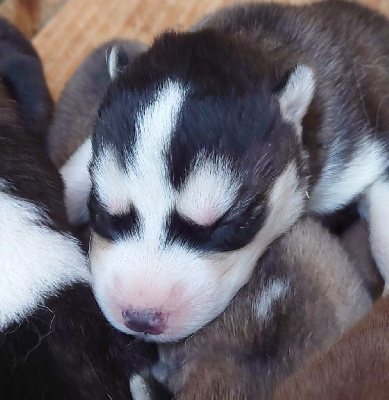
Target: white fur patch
<point>112,183</point>
<point>297,95</point>
<point>209,191</point>
<point>191,287</point>
<point>77,182</point>
<point>146,185</point>
<point>35,261</point>
<point>138,388</point>
<point>273,292</point>
<point>377,198</point>
<point>339,185</point>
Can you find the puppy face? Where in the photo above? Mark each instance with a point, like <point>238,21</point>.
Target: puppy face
<point>195,171</point>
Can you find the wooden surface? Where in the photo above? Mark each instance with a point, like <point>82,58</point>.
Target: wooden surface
<point>30,15</point>
<point>82,25</point>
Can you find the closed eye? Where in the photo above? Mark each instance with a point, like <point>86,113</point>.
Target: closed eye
<point>226,234</point>
<point>112,227</point>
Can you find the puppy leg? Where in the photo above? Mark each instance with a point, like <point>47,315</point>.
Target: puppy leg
<point>377,213</point>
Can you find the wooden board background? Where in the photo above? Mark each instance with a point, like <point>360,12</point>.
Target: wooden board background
<point>81,25</point>
<point>30,15</point>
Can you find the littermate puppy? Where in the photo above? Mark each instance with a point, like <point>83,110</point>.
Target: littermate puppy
<point>23,81</point>
<point>213,142</point>
<point>355,368</point>
<point>304,293</point>
<point>54,341</point>
<point>355,240</point>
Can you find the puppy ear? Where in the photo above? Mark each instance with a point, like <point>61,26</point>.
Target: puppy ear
<point>117,60</point>
<point>75,174</point>
<point>296,94</point>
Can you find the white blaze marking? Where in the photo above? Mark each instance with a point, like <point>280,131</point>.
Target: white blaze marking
<point>146,184</point>
<point>209,191</point>
<point>268,297</point>
<point>153,194</point>
<point>35,261</point>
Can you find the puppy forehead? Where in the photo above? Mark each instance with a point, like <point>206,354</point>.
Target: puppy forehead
<point>170,128</point>
<point>121,176</point>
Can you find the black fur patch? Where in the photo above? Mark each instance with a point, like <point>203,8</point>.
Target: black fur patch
<point>22,74</point>
<point>230,111</point>
<point>112,227</point>
<point>227,234</point>
<point>67,350</point>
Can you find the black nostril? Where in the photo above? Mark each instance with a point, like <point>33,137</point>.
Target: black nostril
<point>146,322</point>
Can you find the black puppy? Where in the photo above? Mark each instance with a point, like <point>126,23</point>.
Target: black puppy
<point>22,75</point>
<point>54,341</point>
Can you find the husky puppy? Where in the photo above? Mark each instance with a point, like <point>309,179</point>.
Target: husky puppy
<point>211,144</point>
<point>54,341</point>
<point>304,293</point>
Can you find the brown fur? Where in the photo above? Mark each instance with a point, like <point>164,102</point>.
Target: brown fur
<point>239,356</point>
<point>355,240</point>
<point>357,367</point>
<point>338,39</point>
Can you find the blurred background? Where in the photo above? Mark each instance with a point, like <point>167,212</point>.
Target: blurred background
<point>64,31</point>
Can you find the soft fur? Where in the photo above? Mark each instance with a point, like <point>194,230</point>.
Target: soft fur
<point>303,295</point>
<point>354,368</point>
<point>82,95</point>
<point>212,143</point>
<point>355,240</point>
<point>54,341</point>
<point>22,76</point>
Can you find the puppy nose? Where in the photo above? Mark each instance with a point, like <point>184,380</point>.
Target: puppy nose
<point>146,322</point>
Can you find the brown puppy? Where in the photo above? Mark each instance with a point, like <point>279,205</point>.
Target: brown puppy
<point>303,295</point>
<point>357,367</point>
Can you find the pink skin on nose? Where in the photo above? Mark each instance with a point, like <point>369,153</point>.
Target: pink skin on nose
<point>173,316</point>
<point>144,312</point>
